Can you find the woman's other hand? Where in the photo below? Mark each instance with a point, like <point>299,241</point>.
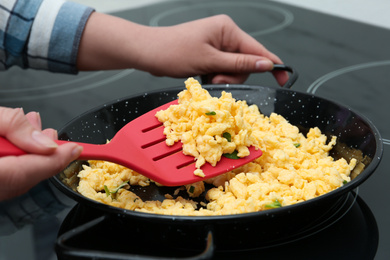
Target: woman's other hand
<point>44,159</point>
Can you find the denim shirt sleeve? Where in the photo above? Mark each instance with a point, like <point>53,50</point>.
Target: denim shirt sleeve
<point>39,203</point>
<point>41,34</point>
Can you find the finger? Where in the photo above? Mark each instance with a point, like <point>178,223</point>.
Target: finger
<point>19,173</point>
<point>229,79</point>
<point>52,133</point>
<point>281,77</point>
<point>237,63</point>
<point>15,126</point>
<point>243,64</point>
<point>238,41</point>
<point>35,120</point>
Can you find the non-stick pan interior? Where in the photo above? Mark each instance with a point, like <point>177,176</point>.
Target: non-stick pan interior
<point>357,137</point>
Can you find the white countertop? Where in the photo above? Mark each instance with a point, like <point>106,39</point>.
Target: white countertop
<point>374,12</point>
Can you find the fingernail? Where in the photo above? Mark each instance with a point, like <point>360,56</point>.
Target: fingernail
<point>43,139</point>
<point>39,120</point>
<point>263,65</point>
<point>36,118</point>
<point>221,81</point>
<point>54,134</point>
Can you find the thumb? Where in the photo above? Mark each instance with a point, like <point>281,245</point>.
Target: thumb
<point>15,126</point>
<point>236,63</point>
<point>235,68</point>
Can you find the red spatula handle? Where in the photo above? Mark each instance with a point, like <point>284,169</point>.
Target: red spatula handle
<point>7,148</point>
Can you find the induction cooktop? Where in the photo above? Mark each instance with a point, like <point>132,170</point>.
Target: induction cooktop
<point>338,59</point>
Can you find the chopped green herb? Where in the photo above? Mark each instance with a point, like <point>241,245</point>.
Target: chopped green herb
<point>123,184</point>
<point>108,192</point>
<point>227,136</point>
<point>192,189</point>
<point>274,205</point>
<point>232,155</point>
<point>345,182</point>
<point>297,145</point>
<point>211,113</point>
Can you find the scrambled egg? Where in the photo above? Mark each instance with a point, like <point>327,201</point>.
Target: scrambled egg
<point>208,126</point>
<point>292,169</point>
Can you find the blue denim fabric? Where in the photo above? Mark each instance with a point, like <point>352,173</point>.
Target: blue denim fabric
<point>42,202</point>
<point>18,46</point>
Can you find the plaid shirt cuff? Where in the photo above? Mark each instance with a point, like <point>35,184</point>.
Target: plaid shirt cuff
<point>41,34</point>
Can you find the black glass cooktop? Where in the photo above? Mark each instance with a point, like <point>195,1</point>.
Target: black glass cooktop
<point>337,59</point>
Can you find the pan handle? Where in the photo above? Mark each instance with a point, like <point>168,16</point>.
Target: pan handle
<point>65,251</point>
<point>293,74</point>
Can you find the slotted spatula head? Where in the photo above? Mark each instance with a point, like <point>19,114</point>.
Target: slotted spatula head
<point>140,145</point>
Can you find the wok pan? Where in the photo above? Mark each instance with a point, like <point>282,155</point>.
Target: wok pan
<point>357,138</point>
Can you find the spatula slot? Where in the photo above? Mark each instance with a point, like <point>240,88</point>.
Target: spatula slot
<point>170,153</point>
<point>180,166</point>
<point>152,127</point>
<point>153,143</point>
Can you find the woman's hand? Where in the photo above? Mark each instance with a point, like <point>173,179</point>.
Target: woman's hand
<point>213,46</point>
<point>45,159</point>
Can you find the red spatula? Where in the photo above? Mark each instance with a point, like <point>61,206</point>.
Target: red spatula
<point>140,145</point>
